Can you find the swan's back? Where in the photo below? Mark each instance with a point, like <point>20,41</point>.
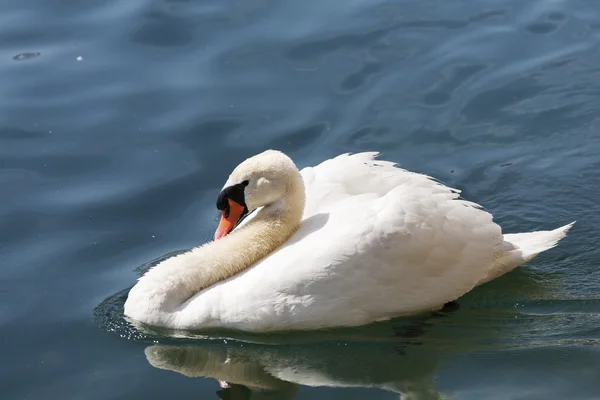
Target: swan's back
<point>409,225</point>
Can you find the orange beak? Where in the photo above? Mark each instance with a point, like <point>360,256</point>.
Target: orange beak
<point>231,215</point>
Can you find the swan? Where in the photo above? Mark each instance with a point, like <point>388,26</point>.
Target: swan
<point>351,241</point>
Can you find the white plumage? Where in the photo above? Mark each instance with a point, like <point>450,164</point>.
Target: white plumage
<point>375,242</point>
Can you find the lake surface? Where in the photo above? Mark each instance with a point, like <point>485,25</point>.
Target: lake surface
<point>120,121</point>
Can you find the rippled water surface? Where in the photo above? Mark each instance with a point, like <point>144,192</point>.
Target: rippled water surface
<point>120,121</point>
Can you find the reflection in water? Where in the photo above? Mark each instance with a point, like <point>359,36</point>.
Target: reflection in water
<point>247,371</point>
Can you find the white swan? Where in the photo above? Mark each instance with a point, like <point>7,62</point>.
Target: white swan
<point>351,241</point>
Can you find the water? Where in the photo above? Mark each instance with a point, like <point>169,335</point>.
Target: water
<point>120,121</point>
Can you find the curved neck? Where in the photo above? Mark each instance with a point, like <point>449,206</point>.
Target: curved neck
<point>168,285</point>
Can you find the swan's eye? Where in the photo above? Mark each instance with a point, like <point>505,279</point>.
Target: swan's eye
<point>246,182</point>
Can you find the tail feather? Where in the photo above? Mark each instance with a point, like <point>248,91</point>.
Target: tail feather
<point>522,247</point>
<point>531,244</point>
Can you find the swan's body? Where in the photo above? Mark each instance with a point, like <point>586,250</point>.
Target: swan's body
<point>351,241</point>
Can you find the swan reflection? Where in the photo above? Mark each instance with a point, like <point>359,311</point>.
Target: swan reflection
<point>254,371</point>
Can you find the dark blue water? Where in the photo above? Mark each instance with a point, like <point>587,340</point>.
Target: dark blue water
<point>120,121</point>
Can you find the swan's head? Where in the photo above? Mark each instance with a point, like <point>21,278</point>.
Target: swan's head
<point>265,179</point>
